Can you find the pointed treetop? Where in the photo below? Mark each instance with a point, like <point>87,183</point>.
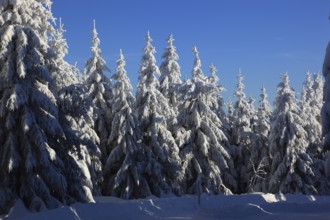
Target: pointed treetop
<point>240,86</point>
<point>197,73</point>
<point>121,63</point>
<point>285,78</point>
<point>121,57</point>
<point>94,31</point>
<point>308,78</point>
<point>195,51</point>
<point>148,68</point>
<point>121,53</point>
<point>121,74</point>
<point>149,47</point>
<point>148,38</point>
<point>263,94</point>
<point>214,71</point>
<point>170,40</point>
<point>96,63</point>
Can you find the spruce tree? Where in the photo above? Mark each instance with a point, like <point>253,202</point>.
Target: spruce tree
<point>259,164</point>
<point>170,80</point>
<point>242,134</point>
<point>162,168</point>
<point>124,168</point>
<point>61,71</point>
<point>77,117</point>
<point>34,163</point>
<point>99,89</point>
<point>311,105</point>
<point>310,113</point>
<point>291,168</point>
<point>217,102</point>
<point>207,164</point>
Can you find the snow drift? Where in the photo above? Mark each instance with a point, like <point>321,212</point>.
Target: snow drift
<point>252,206</point>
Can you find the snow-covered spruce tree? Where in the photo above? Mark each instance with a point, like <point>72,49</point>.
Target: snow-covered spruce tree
<point>99,89</point>
<point>291,168</point>
<point>242,134</point>
<point>162,168</point>
<point>259,164</point>
<point>123,169</point>
<point>217,102</point>
<point>316,148</point>
<point>34,164</point>
<point>61,71</point>
<point>169,84</point>
<point>77,117</point>
<point>207,164</point>
<point>170,80</point>
<point>310,113</point>
<point>318,85</point>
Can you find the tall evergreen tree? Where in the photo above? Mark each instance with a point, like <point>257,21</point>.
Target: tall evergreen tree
<point>162,160</point>
<point>319,163</point>
<point>34,164</point>
<point>99,89</point>
<point>242,134</point>
<point>206,161</point>
<point>318,85</point>
<point>291,170</point>
<point>310,113</point>
<point>217,102</point>
<point>259,164</point>
<point>123,168</point>
<point>77,117</point>
<point>170,73</point>
<point>61,71</point>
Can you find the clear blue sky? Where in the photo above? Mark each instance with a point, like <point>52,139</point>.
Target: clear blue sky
<point>263,38</point>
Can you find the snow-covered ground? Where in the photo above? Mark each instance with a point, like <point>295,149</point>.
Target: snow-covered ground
<point>252,206</point>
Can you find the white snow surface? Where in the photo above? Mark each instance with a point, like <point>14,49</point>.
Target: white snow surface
<point>250,206</point>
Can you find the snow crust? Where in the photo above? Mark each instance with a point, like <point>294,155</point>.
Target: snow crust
<point>249,206</point>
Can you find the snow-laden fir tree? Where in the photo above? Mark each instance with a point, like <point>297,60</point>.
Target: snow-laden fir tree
<point>123,169</point>
<point>242,134</point>
<point>77,117</point>
<point>318,85</point>
<point>259,163</point>
<point>162,168</point>
<point>291,168</point>
<point>207,164</point>
<point>217,102</point>
<point>316,149</point>
<point>310,113</point>
<point>99,89</point>
<point>34,164</point>
<point>61,71</point>
<point>169,84</point>
<point>170,74</point>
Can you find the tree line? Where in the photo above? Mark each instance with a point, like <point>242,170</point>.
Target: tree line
<point>67,137</point>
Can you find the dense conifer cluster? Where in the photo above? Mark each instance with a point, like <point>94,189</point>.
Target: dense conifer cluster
<point>67,136</point>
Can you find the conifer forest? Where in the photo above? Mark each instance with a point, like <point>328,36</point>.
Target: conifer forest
<point>68,135</point>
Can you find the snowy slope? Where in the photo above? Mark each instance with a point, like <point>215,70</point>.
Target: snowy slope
<point>253,206</point>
